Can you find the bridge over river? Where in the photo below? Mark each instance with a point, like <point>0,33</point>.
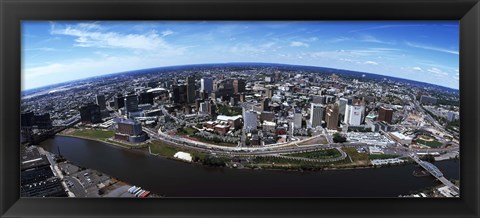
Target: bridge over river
<point>432,169</point>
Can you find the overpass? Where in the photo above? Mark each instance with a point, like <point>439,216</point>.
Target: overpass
<point>432,169</point>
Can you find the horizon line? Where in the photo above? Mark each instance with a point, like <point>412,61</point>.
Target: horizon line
<point>122,72</point>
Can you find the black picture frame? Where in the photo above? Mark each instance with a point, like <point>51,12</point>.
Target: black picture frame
<point>14,11</point>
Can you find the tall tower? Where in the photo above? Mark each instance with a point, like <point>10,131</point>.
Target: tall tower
<point>332,116</point>
<point>190,89</point>
<point>316,114</point>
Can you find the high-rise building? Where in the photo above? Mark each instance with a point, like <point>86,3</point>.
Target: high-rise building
<point>265,104</point>
<point>206,84</point>
<point>90,113</point>
<point>131,103</point>
<point>385,114</point>
<point>354,114</point>
<point>178,94</point>
<point>191,89</point>
<point>297,120</point>
<point>119,101</point>
<point>238,86</point>
<point>100,99</point>
<point>342,106</point>
<point>129,130</point>
<point>316,114</point>
<point>269,92</point>
<point>331,117</point>
<point>27,119</point>
<point>249,120</point>
<point>145,98</point>
<point>204,107</point>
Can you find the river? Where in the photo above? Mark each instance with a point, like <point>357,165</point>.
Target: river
<point>178,179</point>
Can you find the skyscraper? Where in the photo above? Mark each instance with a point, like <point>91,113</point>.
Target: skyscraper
<point>100,99</point>
<point>190,89</point>
<point>297,120</point>
<point>385,114</point>
<point>249,120</point>
<point>90,113</point>
<point>269,92</point>
<point>316,114</point>
<point>332,116</point>
<point>354,114</point>
<point>119,101</point>
<point>206,84</point>
<point>131,103</point>
<point>238,86</point>
<point>265,104</point>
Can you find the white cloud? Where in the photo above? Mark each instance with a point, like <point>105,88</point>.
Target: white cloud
<point>299,44</point>
<point>417,68</point>
<point>89,35</point>
<point>370,38</point>
<point>432,48</point>
<point>167,32</point>
<point>437,72</point>
<point>371,62</point>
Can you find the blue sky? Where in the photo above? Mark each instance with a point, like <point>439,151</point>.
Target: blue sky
<point>54,52</point>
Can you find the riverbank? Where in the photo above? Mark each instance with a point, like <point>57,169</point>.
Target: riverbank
<point>157,148</point>
<point>174,178</point>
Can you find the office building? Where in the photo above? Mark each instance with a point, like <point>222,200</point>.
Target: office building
<point>90,113</point>
<point>331,117</point>
<point>385,114</point>
<point>131,103</point>
<point>238,86</point>
<point>269,92</point>
<point>206,84</point>
<point>129,130</point>
<point>316,114</point>
<point>266,104</point>
<point>297,120</point>
<point>249,120</point>
<point>100,100</point>
<point>191,89</point>
<point>119,101</point>
<point>354,114</point>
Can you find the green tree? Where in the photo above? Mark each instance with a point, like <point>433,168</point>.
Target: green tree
<point>338,138</point>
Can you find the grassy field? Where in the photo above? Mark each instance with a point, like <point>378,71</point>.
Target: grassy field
<point>432,144</point>
<point>229,111</point>
<point>187,131</point>
<point>357,158</point>
<point>166,150</point>
<point>381,156</point>
<point>322,154</point>
<point>93,134</point>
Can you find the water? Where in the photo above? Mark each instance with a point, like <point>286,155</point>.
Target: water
<point>178,179</point>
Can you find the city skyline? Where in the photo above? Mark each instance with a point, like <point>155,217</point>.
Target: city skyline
<point>55,52</point>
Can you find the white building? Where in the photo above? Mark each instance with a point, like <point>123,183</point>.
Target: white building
<point>354,114</point>
<point>297,120</point>
<point>204,107</point>
<point>316,115</point>
<point>399,137</point>
<point>249,120</point>
<point>206,84</point>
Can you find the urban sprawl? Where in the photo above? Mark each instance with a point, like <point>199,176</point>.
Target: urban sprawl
<point>256,116</point>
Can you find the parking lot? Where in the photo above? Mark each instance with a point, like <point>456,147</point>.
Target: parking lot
<point>83,182</point>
